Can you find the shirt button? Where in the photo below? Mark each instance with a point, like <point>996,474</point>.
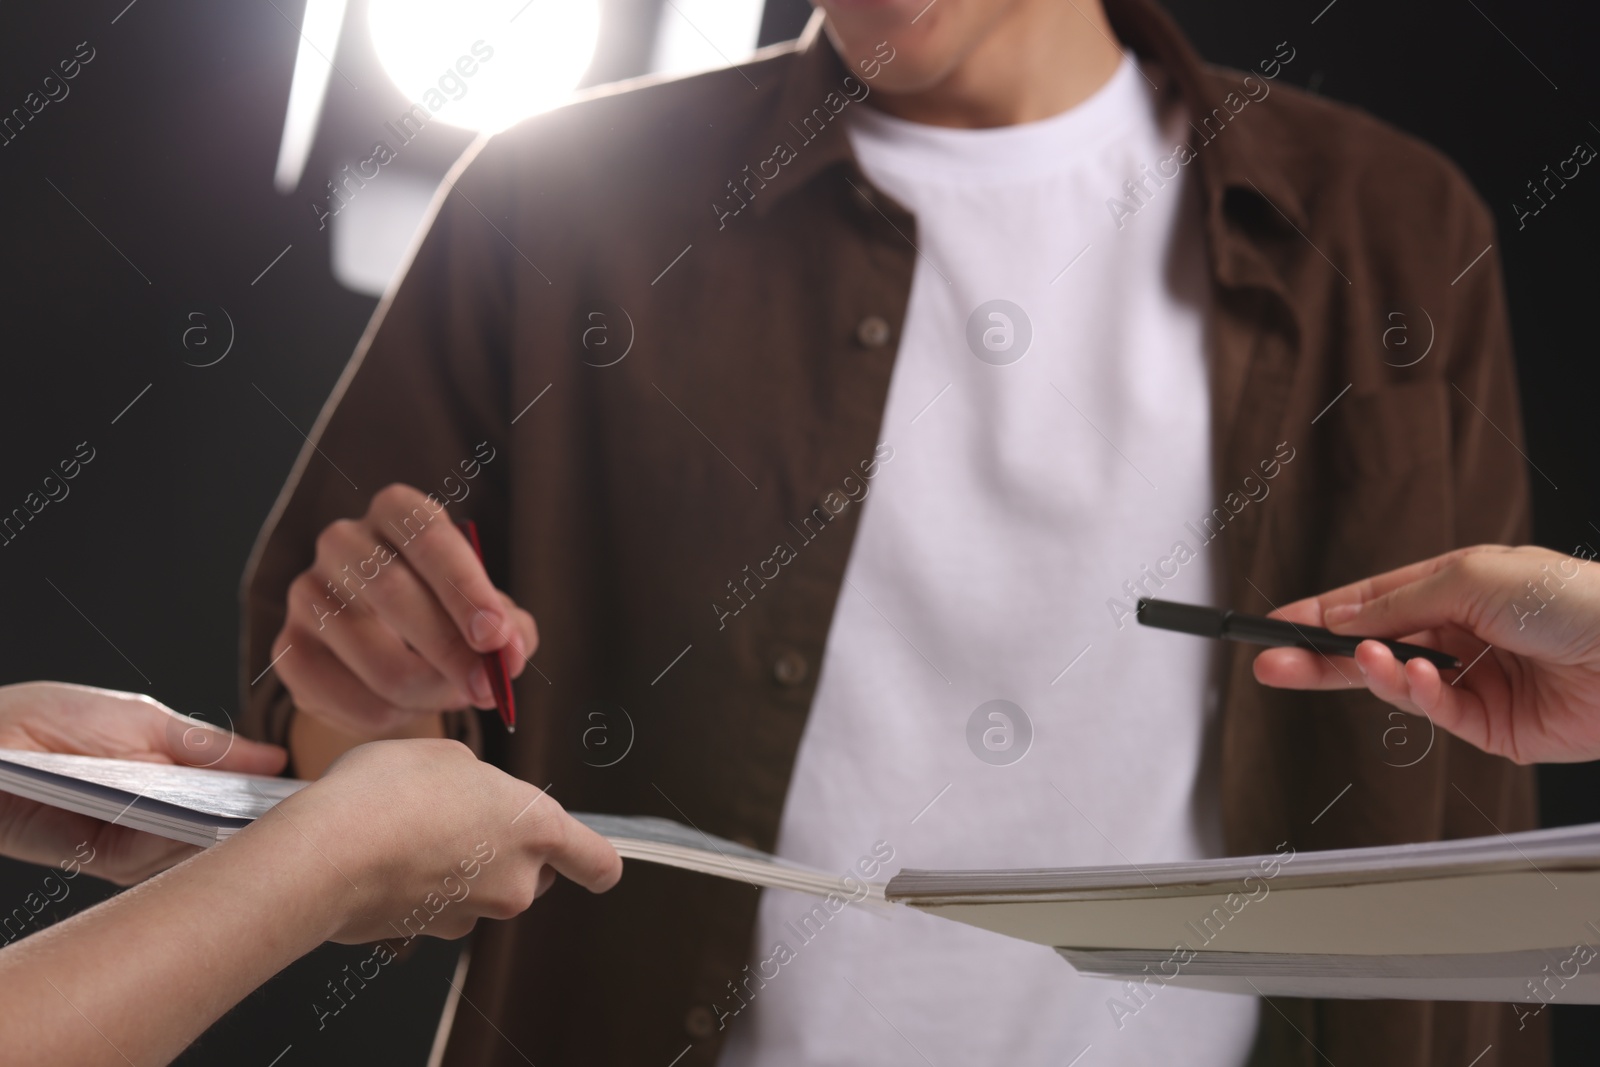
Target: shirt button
<point>698,1023</point>
<point>789,669</point>
<point>873,332</point>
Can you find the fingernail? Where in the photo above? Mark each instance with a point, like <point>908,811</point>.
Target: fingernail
<point>484,628</point>
<point>1360,668</point>
<point>1340,613</point>
<point>478,681</point>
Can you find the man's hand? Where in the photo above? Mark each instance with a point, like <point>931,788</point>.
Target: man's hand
<point>1525,623</point>
<point>53,717</point>
<point>390,623</point>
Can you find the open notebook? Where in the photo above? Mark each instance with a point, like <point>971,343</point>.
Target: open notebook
<point>204,807</point>
<point>1512,917</point>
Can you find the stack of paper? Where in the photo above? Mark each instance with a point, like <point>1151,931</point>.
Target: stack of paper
<point>1513,917</point>
<point>189,804</point>
<point>640,837</point>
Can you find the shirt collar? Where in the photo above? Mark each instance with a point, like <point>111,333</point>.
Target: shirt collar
<point>800,118</point>
<point>1242,172</point>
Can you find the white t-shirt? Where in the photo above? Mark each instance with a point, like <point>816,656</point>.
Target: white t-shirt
<point>1021,494</point>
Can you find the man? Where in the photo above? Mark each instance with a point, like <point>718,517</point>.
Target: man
<point>828,414</point>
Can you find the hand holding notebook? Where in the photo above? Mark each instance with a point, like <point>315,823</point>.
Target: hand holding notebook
<point>119,773</point>
<point>51,717</point>
<point>400,839</point>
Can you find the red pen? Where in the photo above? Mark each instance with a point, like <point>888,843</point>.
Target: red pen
<point>494,663</point>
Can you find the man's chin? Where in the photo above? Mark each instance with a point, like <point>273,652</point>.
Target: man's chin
<point>864,23</point>
<point>909,81</point>
<point>885,9</point>
<point>924,52</point>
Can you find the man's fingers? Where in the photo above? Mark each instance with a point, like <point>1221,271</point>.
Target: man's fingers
<point>325,688</point>
<point>421,529</point>
<point>400,599</point>
<point>524,636</point>
<point>395,617</point>
<point>384,663</point>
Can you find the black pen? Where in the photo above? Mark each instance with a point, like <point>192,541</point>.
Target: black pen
<point>1279,633</point>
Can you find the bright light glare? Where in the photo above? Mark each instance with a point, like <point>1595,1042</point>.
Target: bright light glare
<point>537,50</point>
<point>313,66</point>
<point>704,34</point>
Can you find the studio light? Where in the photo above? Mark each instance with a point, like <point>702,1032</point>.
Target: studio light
<point>702,34</point>
<point>484,64</point>
<point>313,66</point>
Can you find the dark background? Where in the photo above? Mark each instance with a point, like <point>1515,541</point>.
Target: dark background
<point>166,145</point>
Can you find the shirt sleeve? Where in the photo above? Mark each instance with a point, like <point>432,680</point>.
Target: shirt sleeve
<point>421,402</point>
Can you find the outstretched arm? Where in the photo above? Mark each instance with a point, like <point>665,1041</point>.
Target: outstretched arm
<point>396,830</point>
<point>1525,623</point>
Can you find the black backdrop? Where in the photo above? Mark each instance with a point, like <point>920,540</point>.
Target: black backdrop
<point>145,195</point>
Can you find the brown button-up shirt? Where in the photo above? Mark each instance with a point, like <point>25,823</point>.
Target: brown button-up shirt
<point>648,332</point>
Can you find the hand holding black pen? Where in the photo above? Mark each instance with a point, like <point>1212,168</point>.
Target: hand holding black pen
<point>1524,623</point>
<point>1278,633</point>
